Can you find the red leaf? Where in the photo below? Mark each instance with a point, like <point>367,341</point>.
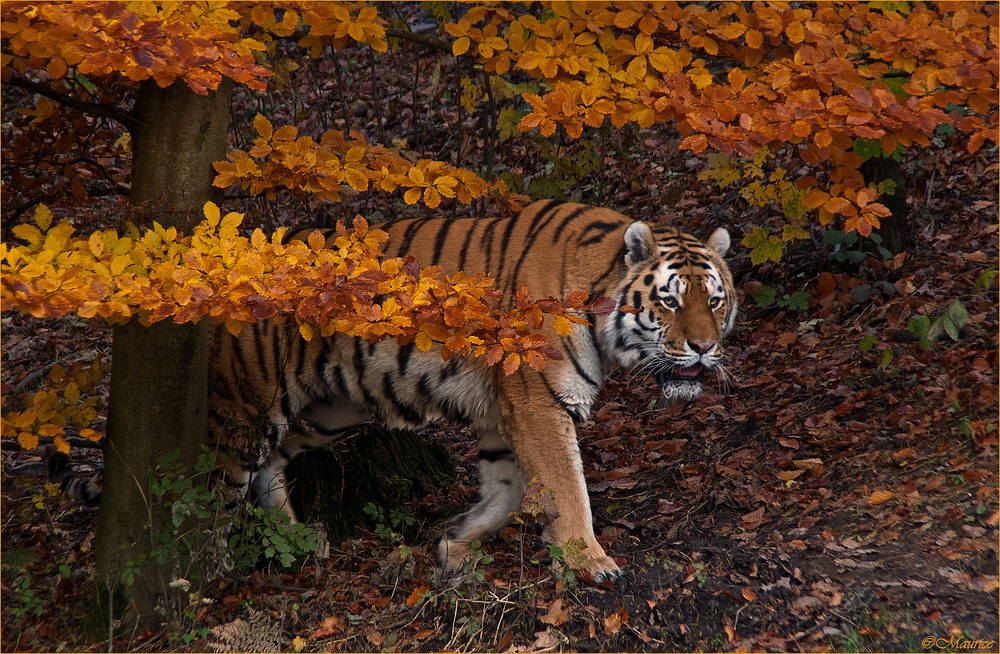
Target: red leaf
<point>603,306</point>
<point>329,627</point>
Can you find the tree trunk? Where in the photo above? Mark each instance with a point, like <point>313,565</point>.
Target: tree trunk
<point>896,230</point>
<point>158,400</point>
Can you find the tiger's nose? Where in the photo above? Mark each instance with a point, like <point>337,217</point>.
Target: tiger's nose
<point>701,348</point>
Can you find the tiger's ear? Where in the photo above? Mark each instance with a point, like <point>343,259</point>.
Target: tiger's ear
<point>719,241</point>
<point>639,243</point>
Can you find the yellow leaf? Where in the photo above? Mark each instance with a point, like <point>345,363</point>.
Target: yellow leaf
<point>316,240</point>
<point>416,175</point>
<point>648,24</point>
<point>736,78</point>
<point>56,67</point>
<point>51,430</point>
<point>460,46</point>
<point>61,444</point>
<point>229,224</point>
<point>795,32</point>
<point>72,393</point>
<point>412,195</point>
<point>836,205</point>
<point>90,434</point>
<point>356,179</point>
<point>28,233</point>
<point>263,127</point>
<point>306,331</point>
<point>431,197</point>
<point>23,419</point>
<point>562,326</point>
<point>43,217</point>
<point>701,77</point>
<point>733,30</point>
<point>259,150</point>
<point>624,19</point>
<point>119,264</point>
<point>286,133</point>
<point>96,244</point>
<point>664,60</point>
<point>815,198</point>
<point>212,212</point>
<point>27,440</point>
<point>788,475</point>
<point>423,341</point>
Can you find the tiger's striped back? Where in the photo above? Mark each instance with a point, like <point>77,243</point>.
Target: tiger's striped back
<point>553,248</point>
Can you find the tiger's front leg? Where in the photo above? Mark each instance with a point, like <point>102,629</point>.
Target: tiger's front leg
<point>548,451</point>
<point>544,438</point>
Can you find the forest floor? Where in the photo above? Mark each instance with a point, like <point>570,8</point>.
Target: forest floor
<point>838,492</point>
<point>829,497</point>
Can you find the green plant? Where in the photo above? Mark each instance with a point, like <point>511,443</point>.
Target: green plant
<point>984,281</point>
<point>26,601</point>
<point>949,322</point>
<point>868,342</point>
<point>868,626</point>
<point>201,526</point>
<point>762,190</point>
<point>269,534</point>
<point>844,251</point>
<point>389,526</point>
<point>699,571</point>
<point>478,557</point>
<point>563,172</point>
<point>766,296</point>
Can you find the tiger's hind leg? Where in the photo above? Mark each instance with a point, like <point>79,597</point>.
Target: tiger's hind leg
<point>500,492</point>
<point>268,484</point>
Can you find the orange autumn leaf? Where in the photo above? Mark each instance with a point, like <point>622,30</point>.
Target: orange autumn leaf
<point>880,497</point>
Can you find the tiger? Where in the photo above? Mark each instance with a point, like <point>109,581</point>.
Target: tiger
<point>679,303</point>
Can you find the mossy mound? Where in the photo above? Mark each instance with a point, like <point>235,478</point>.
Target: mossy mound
<point>390,468</point>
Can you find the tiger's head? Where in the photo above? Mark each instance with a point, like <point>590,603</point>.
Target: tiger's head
<point>685,304</point>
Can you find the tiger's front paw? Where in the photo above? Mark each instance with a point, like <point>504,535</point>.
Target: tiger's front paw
<point>603,569</point>
<point>596,570</point>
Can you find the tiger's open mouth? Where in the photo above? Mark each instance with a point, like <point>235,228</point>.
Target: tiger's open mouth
<point>674,375</point>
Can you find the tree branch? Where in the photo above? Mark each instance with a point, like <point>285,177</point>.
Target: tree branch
<point>92,108</point>
<point>421,39</point>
